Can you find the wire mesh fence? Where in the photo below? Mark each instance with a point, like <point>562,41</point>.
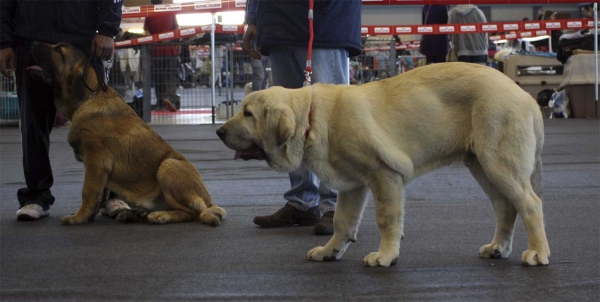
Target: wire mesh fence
<point>9,104</point>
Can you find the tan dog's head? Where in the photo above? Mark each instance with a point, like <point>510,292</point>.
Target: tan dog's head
<point>270,125</point>
<point>61,66</point>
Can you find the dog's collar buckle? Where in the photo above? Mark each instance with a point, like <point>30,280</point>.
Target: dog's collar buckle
<point>92,95</point>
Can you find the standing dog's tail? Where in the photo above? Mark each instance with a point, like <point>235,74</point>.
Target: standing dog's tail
<point>212,215</point>
<point>536,176</point>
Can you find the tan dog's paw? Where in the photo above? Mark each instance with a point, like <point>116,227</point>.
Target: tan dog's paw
<point>493,251</point>
<point>379,259</point>
<point>533,258</point>
<point>321,254</point>
<point>73,220</point>
<point>160,217</point>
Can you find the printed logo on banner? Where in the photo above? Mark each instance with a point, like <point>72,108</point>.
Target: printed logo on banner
<point>553,25</point>
<point>526,34</point>
<point>532,26</point>
<point>120,43</point>
<point>240,3</point>
<point>447,29</point>
<point>131,10</point>
<point>382,30</point>
<point>208,4</point>
<point>145,39</point>
<point>425,29</point>
<point>167,8</point>
<point>364,30</point>
<point>490,27</point>
<point>574,24</point>
<point>166,35</point>
<point>402,47</point>
<point>541,33</point>
<point>468,28</point>
<point>230,28</point>
<point>495,38</point>
<point>510,26</point>
<point>511,36</point>
<point>189,31</point>
<point>206,28</point>
<point>403,30</point>
<point>590,23</point>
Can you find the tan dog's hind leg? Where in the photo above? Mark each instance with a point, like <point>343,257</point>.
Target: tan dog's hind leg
<point>511,174</point>
<point>348,212</point>
<point>388,192</point>
<point>212,215</point>
<point>506,216</point>
<point>93,188</point>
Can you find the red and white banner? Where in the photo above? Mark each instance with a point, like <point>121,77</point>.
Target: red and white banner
<point>517,30</point>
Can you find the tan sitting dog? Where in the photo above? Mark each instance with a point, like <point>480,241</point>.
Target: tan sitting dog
<point>119,150</point>
<point>380,136</point>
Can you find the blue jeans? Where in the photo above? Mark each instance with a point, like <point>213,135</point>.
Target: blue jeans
<point>329,66</point>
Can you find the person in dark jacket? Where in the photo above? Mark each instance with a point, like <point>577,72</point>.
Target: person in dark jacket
<point>435,47</point>
<point>90,26</point>
<point>280,29</point>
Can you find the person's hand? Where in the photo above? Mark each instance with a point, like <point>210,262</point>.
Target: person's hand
<point>102,47</point>
<point>7,62</point>
<point>250,43</point>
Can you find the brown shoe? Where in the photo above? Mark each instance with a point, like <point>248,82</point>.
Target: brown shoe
<point>289,216</point>
<point>170,106</point>
<point>325,226</point>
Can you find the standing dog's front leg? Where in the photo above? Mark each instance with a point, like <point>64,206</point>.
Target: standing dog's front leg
<point>348,212</point>
<point>95,180</point>
<point>388,192</point>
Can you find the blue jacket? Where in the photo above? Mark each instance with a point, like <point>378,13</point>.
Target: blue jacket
<point>285,22</point>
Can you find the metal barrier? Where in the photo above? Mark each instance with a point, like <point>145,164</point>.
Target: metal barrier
<point>9,104</point>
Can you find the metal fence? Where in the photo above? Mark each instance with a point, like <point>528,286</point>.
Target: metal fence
<point>171,83</point>
<point>9,105</point>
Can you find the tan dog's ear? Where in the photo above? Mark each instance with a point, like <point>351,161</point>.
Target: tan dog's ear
<point>280,125</point>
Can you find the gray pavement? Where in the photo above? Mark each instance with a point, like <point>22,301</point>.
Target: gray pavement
<point>447,219</point>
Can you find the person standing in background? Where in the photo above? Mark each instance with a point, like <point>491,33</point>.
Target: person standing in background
<point>435,47</point>
<point>280,29</point>
<point>470,48</point>
<point>165,62</point>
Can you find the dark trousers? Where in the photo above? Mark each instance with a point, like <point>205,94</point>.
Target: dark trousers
<point>473,59</point>
<point>37,113</point>
<point>165,72</point>
<point>435,58</point>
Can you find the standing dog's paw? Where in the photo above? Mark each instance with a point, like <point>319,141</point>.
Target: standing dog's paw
<point>73,220</point>
<point>493,251</point>
<point>533,258</point>
<point>321,254</point>
<point>378,259</point>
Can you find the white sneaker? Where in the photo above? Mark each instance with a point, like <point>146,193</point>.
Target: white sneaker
<point>114,207</point>
<point>32,212</point>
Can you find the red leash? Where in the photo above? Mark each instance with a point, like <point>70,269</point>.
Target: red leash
<point>308,71</point>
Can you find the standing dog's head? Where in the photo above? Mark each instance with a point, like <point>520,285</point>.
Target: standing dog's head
<point>270,125</point>
<point>62,66</point>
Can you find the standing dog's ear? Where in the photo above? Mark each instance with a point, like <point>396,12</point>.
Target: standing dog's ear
<point>280,126</point>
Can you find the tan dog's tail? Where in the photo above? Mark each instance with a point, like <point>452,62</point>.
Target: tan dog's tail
<point>212,215</point>
<point>536,176</point>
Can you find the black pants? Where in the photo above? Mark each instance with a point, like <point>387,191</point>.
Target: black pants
<point>165,75</point>
<point>473,59</point>
<point>436,58</point>
<point>37,113</point>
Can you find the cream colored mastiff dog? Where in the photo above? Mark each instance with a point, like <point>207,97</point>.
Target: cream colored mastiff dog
<point>380,136</point>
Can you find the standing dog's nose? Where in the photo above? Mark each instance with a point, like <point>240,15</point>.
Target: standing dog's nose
<point>221,132</point>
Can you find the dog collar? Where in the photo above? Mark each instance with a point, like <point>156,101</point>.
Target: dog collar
<point>309,118</point>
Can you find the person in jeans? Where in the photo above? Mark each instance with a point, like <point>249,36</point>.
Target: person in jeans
<point>280,29</point>
<point>470,48</point>
<point>90,26</point>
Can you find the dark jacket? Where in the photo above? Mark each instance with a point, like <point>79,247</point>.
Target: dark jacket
<point>435,45</point>
<point>73,21</point>
<point>285,22</point>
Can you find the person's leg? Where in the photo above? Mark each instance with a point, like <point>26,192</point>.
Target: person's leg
<point>172,80</point>
<point>37,114</point>
<point>158,76</point>
<point>258,74</point>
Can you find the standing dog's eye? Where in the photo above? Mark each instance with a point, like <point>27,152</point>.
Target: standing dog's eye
<point>247,113</point>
